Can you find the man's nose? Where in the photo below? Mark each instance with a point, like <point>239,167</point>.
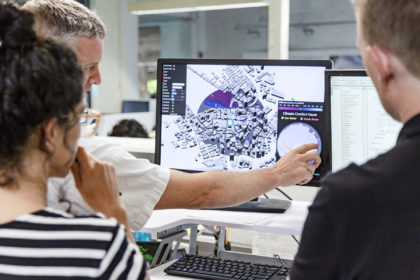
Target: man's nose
<point>96,78</point>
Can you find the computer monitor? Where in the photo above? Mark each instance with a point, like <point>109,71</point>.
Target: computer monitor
<point>360,127</point>
<point>132,106</point>
<point>239,115</point>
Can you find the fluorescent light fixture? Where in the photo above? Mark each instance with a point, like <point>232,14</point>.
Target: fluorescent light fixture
<point>153,7</point>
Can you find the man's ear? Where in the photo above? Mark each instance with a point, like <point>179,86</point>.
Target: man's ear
<point>381,60</point>
<point>48,136</point>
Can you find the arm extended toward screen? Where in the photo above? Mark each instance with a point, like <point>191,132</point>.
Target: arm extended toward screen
<point>222,189</point>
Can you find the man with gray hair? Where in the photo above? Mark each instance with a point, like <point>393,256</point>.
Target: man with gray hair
<point>365,221</point>
<point>146,186</point>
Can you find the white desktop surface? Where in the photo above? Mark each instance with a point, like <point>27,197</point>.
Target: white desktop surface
<point>158,273</point>
<point>289,222</point>
<point>132,145</point>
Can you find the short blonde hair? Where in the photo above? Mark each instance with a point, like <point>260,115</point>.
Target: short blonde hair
<point>394,25</point>
<point>65,19</point>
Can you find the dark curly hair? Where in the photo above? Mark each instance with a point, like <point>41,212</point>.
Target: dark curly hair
<point>39,80</point>
<point>129,128</point>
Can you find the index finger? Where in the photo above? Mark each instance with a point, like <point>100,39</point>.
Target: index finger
<point>82,157</point>
<point>313,158</point>
<point>306,147</point>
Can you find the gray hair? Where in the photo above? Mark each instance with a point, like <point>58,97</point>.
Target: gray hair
<point>65,19</point>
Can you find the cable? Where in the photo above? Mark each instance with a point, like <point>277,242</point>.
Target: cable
<point>278,258</point>
<point>297,241</point>
<point>285,194</point>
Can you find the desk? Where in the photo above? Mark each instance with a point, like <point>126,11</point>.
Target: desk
<point>138,147</point>
<point>146,119</point>
<point>289,222</point>
<point>132,145</point>
<point>158,273</point>
<point>170,224</point>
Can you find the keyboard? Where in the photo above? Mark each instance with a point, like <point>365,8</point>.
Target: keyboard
<point>200,267</point>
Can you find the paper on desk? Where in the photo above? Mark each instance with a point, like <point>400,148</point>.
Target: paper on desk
<point>269,244</point>
<point>284,224</point>
<point>233,217</point>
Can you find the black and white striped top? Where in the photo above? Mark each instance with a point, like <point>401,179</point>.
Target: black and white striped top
<point>50,244</point>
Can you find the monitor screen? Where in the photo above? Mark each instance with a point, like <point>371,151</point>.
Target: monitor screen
<point>132,106</point>
<point>360,127</point>
<point>239,115</point>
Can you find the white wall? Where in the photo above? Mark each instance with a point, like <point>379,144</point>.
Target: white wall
<point>320,28</point>
<point>119,63</point>
<point>176,39</point>
<point>235,33</point>
<point>216,34</point>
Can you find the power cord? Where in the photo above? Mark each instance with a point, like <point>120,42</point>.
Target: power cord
<point>285,194</point>
<point>297,241</point>
<point>278,258</point>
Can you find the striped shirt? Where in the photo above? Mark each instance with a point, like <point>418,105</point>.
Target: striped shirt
<point>50,244</point>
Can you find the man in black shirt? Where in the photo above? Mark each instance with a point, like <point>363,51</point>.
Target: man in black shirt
<point>365,221</point>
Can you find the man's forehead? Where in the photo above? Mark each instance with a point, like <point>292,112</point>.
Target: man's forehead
<point>88,50</point>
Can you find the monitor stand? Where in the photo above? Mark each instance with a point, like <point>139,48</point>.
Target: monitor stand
<point>266,205</point>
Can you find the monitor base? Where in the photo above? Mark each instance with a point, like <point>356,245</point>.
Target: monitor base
<point>266,205</point>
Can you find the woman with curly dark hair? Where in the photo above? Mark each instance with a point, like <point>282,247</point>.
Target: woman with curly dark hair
<point>41,90</point>
<point>129,128</point>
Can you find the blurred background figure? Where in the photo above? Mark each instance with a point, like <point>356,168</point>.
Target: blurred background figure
<point>129,128</point>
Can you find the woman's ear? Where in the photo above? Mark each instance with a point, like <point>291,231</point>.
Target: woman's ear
<point>48,136</point>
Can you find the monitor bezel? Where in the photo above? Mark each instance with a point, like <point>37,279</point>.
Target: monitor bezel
<point>340,73</point>
<point>275,62</point>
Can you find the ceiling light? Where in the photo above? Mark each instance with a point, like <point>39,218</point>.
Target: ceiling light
<point>166,7</point>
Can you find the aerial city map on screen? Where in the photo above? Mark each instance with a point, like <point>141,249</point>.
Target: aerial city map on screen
<point>238,117</point>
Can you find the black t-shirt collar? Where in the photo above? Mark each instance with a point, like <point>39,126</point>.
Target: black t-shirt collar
<point>410,129</point>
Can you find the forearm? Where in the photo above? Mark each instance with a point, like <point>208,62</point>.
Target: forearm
<point>295,167</point>
<point>120,214</point>
<point>231,188</point>
<point>220,188</point>
<point>215,188</point>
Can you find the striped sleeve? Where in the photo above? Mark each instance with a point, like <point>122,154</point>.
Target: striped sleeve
<point>52,245</point>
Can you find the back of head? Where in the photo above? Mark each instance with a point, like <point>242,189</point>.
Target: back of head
<point>39,80</point>
<point>129,128</point>
<point>394,25</point>
<point>64,19</point>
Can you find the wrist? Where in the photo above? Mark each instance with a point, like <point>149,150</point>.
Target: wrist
<point>277,175</point>
<point>118,212</point>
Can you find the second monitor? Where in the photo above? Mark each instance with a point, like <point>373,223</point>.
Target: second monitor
<point>361,128</point>
<point>239,115</point>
